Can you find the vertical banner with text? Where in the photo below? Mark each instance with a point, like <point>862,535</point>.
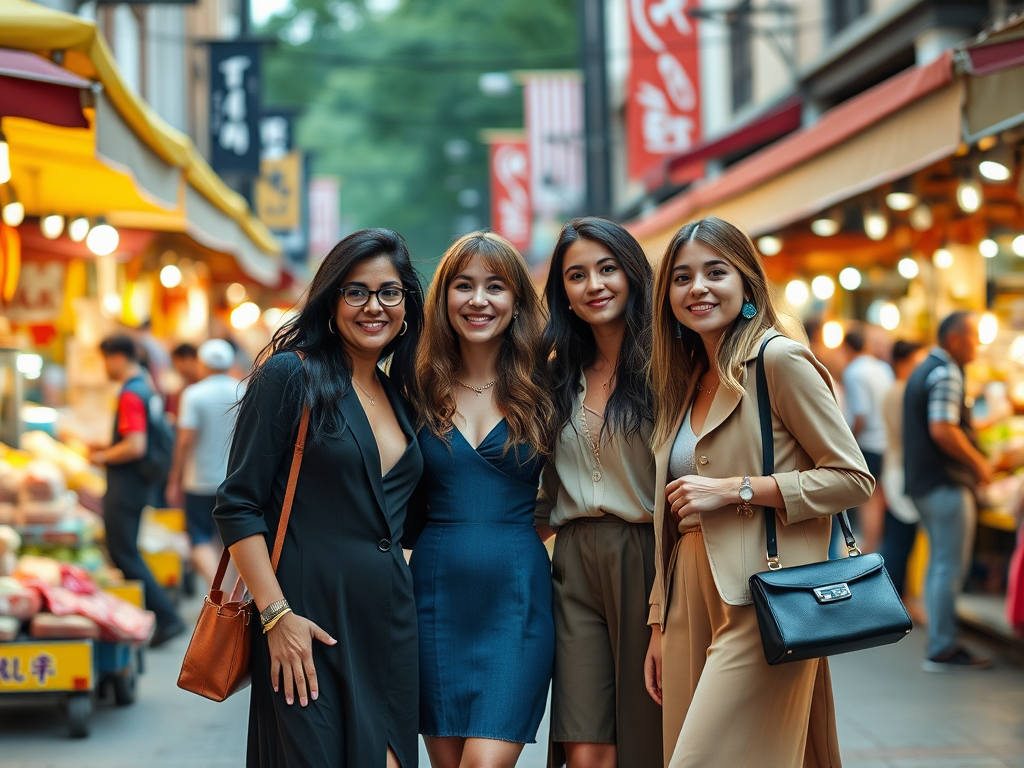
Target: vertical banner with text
<point>235,107</point>
<point>663,91</point>
<point>324,215</point>
<point>554,133</point>
<point>511,212</point>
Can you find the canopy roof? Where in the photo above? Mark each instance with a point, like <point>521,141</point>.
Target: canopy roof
<point>128,164</point>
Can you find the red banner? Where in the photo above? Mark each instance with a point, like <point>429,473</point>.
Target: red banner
<point>663,92</point>
<point>511,211</point>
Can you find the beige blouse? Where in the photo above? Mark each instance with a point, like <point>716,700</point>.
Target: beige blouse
<point>573,485</point>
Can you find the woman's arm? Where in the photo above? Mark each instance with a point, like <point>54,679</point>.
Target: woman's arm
<point>547,495</point>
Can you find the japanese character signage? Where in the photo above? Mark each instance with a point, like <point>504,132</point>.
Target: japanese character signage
<point>511,212</point>
<point>235,107</point>
<point>663,92</point>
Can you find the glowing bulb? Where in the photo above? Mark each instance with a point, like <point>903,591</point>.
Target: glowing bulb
<point>989,248</point>
<point>825,226</point>
<point>52,226</point>
<point>30,364</point>
<point>850,278</point>
<point>272,317</point>
<point>112,304</point>
<point>832,334</point>
<point>235,294</point>
<point>988,328</point>
<point>994,171</point>
<point>921,217</point>
<point>901,201</point>
<point>1018,245</point>
<point>822,287</point>
<point>942,258</point>
<point>14,213</point>
<point>102,240</point>
<point>889,316</point>
<point>797,293</point>
<point>1017,349</point>
<point>769,245</point>
<point>968,195</point>
<point>908,268</point>
<point>5,160</point>
<point>876,225</point>
<point>78,229</point>
<point>245,315</point>
<point>170,276</point>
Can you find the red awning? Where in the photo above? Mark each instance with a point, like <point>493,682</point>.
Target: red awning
<point>781,119</point>
<point>988,59</point>
<point>35,88</point>
<point>840,124</point>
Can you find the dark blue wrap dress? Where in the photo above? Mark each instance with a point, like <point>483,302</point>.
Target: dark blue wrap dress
<point>482,580</point>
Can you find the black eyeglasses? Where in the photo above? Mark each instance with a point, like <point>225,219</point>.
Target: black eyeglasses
<point>387,297</point>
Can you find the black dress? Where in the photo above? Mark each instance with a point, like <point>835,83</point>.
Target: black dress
<point>339,569</point>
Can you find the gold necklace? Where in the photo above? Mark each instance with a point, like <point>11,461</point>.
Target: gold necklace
<point>709,391</point>
<point>594,447</point>
<point>479,390</point>
<point>368,395</point>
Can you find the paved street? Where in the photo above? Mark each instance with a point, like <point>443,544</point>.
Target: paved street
<point>892,715</point>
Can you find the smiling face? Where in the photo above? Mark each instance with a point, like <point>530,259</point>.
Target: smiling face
<point>706,292</point>
<point>480,303</point>
<point>366,330</point>
<point>595,283</point>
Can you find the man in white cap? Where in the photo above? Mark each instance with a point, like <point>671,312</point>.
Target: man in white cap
<point>206,418</point>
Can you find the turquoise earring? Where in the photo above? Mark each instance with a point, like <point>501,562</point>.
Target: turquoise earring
<point>748,310</point>
<point>679,330</point>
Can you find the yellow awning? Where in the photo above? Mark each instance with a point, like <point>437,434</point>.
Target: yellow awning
<point>148,168</point>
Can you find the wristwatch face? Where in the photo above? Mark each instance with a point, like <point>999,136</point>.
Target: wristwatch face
<point>746,492</point>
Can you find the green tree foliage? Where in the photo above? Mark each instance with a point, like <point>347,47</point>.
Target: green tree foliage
<point>385,85</point>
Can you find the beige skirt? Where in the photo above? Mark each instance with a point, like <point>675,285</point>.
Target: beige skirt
<point>724,706</point>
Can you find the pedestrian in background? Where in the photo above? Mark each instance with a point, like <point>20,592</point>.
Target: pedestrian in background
<point>901,516</point>
<point>205,424</point>
<point>132,471</point>
<point>481,574</point>
<point>334,669</point>
<point>866,380</point>
<point>723,704</point>
<point>597,491</point>
<point>943,467</point>
<point>185,360</point>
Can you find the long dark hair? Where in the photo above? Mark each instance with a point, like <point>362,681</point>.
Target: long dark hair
<point>328,369</point>
<point>571,340</point>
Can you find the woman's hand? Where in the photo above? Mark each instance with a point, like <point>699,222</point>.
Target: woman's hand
<point>652,665</point>
<point>693,493</point>
<point>291,656</point>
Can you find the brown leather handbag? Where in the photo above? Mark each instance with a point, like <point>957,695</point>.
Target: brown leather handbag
<point>216,664</point>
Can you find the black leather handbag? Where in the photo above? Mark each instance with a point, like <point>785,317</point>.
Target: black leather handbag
<point>825,608</point>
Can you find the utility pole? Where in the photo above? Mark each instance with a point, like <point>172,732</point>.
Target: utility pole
<point>595,108</point>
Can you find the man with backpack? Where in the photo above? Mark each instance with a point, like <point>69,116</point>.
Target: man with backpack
<point>138,457</point>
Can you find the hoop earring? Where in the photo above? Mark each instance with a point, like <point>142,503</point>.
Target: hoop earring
<point>330,327</point>
<point>748,310</point>
<point>679,330</point>
<point>405,327</point>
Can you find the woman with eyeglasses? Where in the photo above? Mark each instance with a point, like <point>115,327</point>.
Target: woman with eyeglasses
<point>598,493</point>
<point>481,573</point>
<point>334,656</point>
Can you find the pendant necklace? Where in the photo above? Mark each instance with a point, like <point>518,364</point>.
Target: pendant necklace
<point>594,447</point>
<point>368,395</point>
<point>479,390</point>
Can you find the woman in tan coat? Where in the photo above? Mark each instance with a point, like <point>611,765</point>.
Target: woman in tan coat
<point>722,704</point>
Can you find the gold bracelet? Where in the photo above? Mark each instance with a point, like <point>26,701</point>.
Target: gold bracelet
<point>270,624</point>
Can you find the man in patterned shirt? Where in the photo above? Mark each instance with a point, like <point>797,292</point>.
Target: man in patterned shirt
<point>943,468</point>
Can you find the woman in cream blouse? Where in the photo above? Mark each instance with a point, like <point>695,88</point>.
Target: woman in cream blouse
<point>723,705</point>
<point>598,490</point>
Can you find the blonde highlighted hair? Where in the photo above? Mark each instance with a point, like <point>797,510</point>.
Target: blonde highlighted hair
<point>525,403</point>
<point>679,357</point>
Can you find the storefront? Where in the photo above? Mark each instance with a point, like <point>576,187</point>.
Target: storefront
<point>898,206</point>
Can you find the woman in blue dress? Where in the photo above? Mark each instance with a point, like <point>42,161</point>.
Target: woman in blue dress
<point>481,575</point>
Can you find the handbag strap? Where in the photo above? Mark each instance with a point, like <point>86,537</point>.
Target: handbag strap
<point>764,412</point>
<point>286,512</point>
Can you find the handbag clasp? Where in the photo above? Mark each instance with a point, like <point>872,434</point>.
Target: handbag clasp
<point>832,592</point>
<point>774,564</point>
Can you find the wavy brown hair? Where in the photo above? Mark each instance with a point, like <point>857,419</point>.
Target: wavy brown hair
<point>520,396</point>
<point>677,363</point>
